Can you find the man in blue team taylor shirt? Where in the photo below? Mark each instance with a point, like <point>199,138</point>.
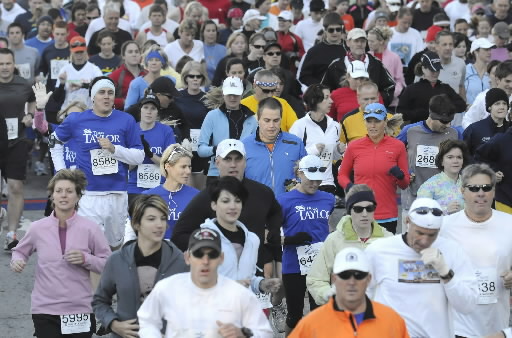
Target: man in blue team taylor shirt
<point>107,141</point>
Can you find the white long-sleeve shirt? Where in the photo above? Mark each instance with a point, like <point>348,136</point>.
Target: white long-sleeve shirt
<point>489,247</point>
<point>191,311</point>
<point>425,302</point>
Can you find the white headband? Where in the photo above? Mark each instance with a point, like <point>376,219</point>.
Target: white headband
<point>103,83</point>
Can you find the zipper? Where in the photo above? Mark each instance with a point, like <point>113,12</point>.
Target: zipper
<point>351,318</point>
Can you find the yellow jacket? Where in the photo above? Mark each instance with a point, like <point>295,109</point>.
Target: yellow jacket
<point>289,115</point>
<point>353,127</point>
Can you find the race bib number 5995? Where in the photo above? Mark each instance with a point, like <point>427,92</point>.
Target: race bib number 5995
<point>75,323</point>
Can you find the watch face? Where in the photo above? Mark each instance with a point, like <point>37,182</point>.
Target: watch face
<point>247,332</point>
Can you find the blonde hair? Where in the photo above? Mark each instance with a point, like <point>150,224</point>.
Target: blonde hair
<point>382,33</point>
<point>79,104</point>
<point>197,66</point>
<point>232,39</point>
<point>172,157</point>
<point>159,50</point>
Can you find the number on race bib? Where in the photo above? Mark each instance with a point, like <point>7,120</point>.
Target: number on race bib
<point>306,255</point>
<point>486,278</point>
<point>426,156</point>
<point>75,323</point>
<point>148,176</point>
<point>102,162</point>
<point>12,128</point>
<point>194,136</point>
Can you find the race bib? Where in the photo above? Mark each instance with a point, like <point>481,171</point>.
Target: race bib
<point>24,70</point>
<point>194,136</point>
<point>486,278</point>
<point>102,162</point>
<point>264,299</point>
<point>55,67</point>
<point>12,128</point>
<point>426,156</point>
<point>326,155</point>
<point>77,323</point>
<point>306,255</point>
<point>148,176</point>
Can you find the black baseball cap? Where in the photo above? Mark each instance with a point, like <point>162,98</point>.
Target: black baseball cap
<point>164,85</point>
<point>431,61</point>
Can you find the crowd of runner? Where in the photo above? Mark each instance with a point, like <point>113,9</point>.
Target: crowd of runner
<point>197,150</point>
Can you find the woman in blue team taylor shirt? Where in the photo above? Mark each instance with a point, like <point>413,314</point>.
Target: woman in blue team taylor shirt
<point>306,212</point>
<point>176,167</point>
<point>155,137</point>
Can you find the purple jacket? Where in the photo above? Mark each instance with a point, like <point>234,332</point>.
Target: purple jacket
<point>60,287</point>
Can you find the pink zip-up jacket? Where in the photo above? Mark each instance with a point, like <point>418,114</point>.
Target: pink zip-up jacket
<point>61,287</point>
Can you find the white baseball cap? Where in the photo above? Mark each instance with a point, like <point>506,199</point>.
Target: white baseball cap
<point>228,145</point>
<point>286,15</point>
<point>351,258</point>
<point>252,14</point>
<point>311,166</point>
<point>356,33</point>
<point>426,213</point>
<point>232,85</point>
<point>481,43</point>
<point>357,69</point>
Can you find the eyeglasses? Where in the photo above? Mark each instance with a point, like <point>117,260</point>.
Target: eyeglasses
<point>314,169</point>
<point>196,76</point>
<point>274,53</point>
<point>258,46</point>
<point>268,91</point>
<point>358,275</point>
<point>332,30</point>
<point>359,209</point>
<point>78,44</point>
<point>425,210</point>
<point>212,254</point>
<point>476,188</point>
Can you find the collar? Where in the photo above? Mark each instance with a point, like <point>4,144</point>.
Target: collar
<point>352,58</point>
<point>350,233</point>
<point>368,313</point>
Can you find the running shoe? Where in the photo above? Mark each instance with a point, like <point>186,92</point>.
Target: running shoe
<point>10,241</point>
<point>278,315</point>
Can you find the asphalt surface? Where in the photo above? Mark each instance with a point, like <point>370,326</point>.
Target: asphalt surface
<point>15,288</point>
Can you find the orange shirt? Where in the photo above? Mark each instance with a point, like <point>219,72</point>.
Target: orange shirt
<point>143,3</point>
<point>274,9</point>
<point>348,21</point>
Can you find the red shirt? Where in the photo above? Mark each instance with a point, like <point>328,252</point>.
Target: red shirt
<point>371,163</point>
<point>287,43</point>
<point>217,9</point>
<point>128,77</point>
<point>348,22</point>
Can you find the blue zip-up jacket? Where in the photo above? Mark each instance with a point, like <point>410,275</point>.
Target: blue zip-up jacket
<point>273,168</point>
<point>215,129</point>
<point>482,131</point>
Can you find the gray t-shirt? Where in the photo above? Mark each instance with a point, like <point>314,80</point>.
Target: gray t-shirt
<point>27,61</point>
<point>454,73</point>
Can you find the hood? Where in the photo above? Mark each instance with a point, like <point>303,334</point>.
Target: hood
<point>345,226</point>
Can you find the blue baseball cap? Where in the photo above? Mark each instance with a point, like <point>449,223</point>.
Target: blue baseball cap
<point>376,110</point>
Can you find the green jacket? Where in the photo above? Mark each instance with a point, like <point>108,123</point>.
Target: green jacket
<point>318,279</point>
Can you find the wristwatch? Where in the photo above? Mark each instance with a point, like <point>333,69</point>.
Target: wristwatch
<point>247,332</point>
<point>448,276</point>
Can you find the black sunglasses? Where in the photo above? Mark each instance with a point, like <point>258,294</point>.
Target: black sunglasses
<point>378,112</point>
<point>476,188</point>
<point>314,169</point>
<point>359,209</point>
<point>195,76</point>
<point>332,30</point>
<point>358,275</point>
<point>268,91</point>
<point>425,210</point>
<point>274,53</point>
<point>78,44</point>
<point>212,254</point>
<point>258,46</point>
<point>92,17</point>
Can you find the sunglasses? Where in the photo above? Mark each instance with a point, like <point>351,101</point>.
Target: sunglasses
<point>195,76</point>
<point>78,44</point>
<point>92,17</point>
<point>359,209</point>
<point>268,91</point>
<point>177,150</point>
<point>425,210</point>
<point>274,53</point>
<point>378,111</point>
<point>212,254</point>
<point>258,46</point>
<point>332,30</point>
<point>358,275</point>
<point>445,121</point>
<point>314,169</point>
<point>476,188</point>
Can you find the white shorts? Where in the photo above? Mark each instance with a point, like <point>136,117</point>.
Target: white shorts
<point>109,211</point>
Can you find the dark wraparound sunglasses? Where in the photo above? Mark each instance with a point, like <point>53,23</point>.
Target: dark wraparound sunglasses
<point>274,53</point>
<point>268,91</point>
<point>425,210</point>
<point>476,188</point>
<point>195,76</point>
<point>332,30</point>
<point>314,169</point>
<point>359,209</point>
<point>212,254</point>
<point>358,275</point>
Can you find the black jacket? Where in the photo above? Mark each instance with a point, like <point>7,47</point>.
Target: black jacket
<point>496,152</point>
<point>409,73</point>
<point>482,131</point>
<point>261,211</point>
<point>316,61</point>
<point>378,74</point>
<point>413,102</point>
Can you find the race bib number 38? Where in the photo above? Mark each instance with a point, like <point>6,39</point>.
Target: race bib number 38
<point>148,176</point>
<point>102,162</point>
<point>486,278</point>
<point>306,255</point>
<point>426,156</point>
<point>76,323</point>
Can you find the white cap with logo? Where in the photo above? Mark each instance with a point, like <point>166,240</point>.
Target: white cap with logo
<point>285,15</point>
<point>251,14</point>
<point>232,86</point>
<point>357,69</point>
<point>426,213</point>
<point>228,145</point>
<point>351,259</point>
<point>312,167</point>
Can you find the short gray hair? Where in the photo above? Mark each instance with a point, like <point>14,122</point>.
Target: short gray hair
<point>475,169</point>
<point>111,6</point>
